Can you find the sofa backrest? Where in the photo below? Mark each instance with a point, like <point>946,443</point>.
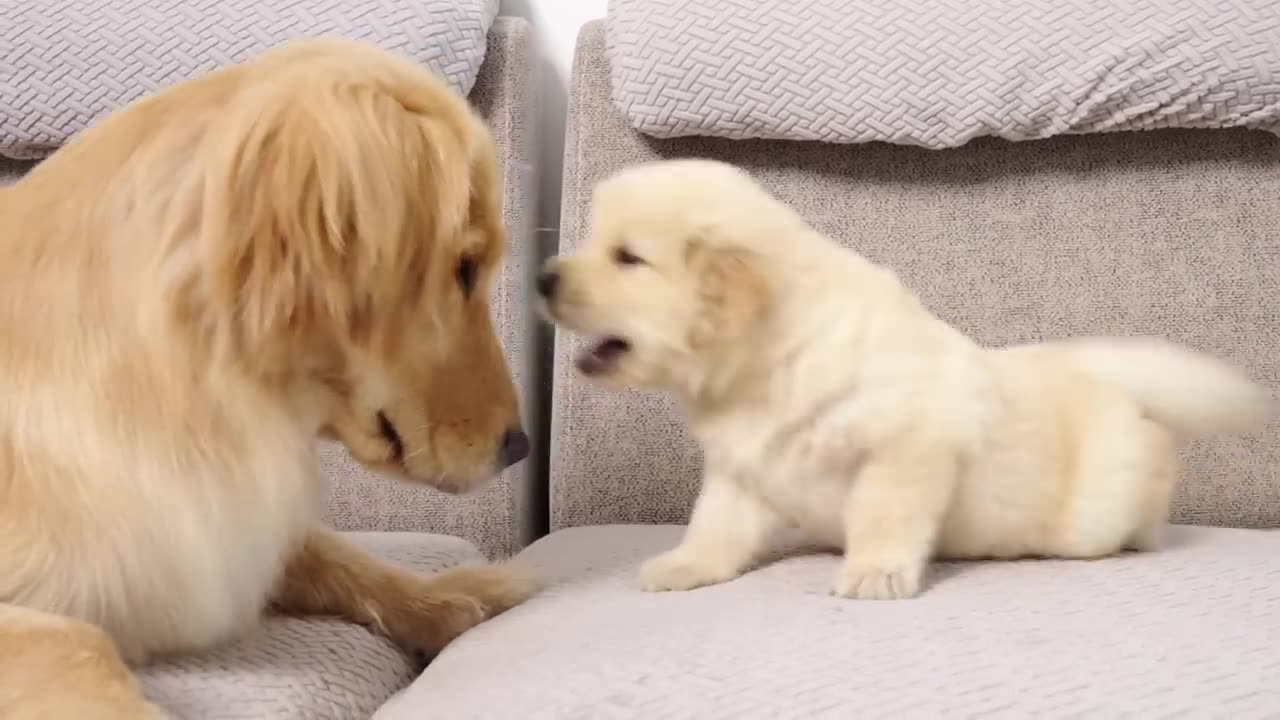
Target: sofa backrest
<point>1175,233</point>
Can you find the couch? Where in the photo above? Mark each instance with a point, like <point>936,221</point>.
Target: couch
<point>315,668</point>
<point>1167,231</point>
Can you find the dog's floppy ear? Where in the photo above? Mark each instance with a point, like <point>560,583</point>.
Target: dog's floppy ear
<point>320,216</point>
<point>732,289</point>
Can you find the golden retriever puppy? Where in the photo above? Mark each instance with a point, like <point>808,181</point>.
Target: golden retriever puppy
<point>826,397</point>
<point>191,292</point>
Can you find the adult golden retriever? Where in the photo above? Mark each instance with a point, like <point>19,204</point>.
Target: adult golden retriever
<point>190,292</point>
<point>827,397</point>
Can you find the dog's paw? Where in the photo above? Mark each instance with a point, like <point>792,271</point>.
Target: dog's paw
<point>679,571</point>
<point>438,608</point>
<point>495,587</point>
<point>865,581</point>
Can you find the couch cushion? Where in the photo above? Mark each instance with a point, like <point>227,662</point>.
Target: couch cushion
<point>1189,631</point>
<point>304,668</point>
<point>937,74</point>
<point>69,62</point>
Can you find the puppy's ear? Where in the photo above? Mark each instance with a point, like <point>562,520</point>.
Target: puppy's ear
<point>320,215</point>
<point>732,288</point>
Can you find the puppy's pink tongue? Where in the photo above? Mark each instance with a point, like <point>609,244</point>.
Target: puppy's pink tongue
<point>601,356</point>
<point>591,364</point>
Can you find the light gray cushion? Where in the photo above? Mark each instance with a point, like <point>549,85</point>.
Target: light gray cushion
<point>302,668</point>
<point>939,73</point>
<point>68,62</point>
<point>1190,631</point>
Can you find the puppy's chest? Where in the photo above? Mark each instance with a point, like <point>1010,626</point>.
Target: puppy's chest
<point>791,468</point>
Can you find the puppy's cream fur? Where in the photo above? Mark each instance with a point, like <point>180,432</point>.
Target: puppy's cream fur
<point>190,292</point>
<point>828,398</point>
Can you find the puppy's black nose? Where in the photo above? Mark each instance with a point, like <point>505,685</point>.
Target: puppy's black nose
<point>547,282</point>
<point>513,447</point>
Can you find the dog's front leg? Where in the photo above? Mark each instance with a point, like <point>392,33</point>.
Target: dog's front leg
<point>728,529</point>
<point>330,576</point>
<point>892,514</point>
<point>54,667</point>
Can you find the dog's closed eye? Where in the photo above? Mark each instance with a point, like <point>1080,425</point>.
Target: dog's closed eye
<point>392,437</point>
<point>466,275</point>
<point>623,256</point>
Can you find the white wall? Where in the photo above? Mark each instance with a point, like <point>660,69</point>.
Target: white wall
<point>555,24</point>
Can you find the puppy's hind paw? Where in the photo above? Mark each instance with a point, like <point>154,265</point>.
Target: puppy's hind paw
<point>874,582</point>
<point>678,571</point>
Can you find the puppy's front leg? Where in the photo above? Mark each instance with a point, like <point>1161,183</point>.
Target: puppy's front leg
<point>726,532</point>
<point>892,515</point>
<point>330,576</point>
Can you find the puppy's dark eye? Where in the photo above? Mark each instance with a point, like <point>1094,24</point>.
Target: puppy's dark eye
<point>623,256</point>
<point>392,437</point>
<point>467,275</point>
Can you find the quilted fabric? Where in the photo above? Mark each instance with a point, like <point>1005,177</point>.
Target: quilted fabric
<point>63,63</point>
<point>1170,233</point>
<point>302,668</point>
<point>938,73</point>
<point>1188,632</point>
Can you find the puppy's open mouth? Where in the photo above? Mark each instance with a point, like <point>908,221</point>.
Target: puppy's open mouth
<point>601,356</point>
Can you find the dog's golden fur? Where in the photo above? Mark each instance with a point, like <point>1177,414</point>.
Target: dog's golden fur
<point>190,292</point>
<point>828,398</point>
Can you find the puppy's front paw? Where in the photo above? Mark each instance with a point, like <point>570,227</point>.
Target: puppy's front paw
<point>676,570</point>
<point>868,581</point>
<point>432,611</point>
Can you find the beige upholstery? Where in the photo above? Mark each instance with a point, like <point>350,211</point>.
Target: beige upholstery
<point>938,74</point>
<point>1033,639</point>
<point>1169,232</point>
<point>67,63</point>
<point>505,515</point>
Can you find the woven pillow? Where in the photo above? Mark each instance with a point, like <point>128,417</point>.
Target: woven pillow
<point>64,63</point>
<point>938,73</point>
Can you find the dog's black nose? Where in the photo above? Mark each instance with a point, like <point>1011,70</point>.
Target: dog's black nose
<point>547,282</point>
<point>513,447</point>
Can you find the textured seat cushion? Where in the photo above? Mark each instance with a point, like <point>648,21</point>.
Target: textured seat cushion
<point>303,668</point>
<point>938,73</point>
<point>1190,631</point>
<point>66,62</point>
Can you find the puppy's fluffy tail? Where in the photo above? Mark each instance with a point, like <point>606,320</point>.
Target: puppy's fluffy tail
<point>1190,393</point>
